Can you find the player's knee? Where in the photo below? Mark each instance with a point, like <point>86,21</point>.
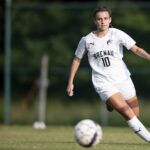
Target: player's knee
<point>126,112</point>
<point>133,104</point>
<point>137,113</point>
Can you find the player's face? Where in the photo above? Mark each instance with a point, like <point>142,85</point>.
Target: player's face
<point>102,20</point>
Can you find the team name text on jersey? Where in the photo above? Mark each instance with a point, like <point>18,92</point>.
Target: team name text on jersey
<point>103,53</point>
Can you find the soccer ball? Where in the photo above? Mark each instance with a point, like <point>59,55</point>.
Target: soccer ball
<point>87,133</point>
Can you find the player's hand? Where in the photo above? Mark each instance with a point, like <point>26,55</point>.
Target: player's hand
<point>69,90</point>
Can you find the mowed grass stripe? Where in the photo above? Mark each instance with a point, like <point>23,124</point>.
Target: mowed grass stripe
<point>61,138</point>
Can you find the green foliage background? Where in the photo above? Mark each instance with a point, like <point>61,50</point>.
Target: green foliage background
<point>56,29</point>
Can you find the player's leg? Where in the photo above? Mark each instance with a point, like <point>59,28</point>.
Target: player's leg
<point>132,102</point>
<point>134,105</point>
<point>119,104</point>
<point>128,90</point>
<point>109,107</point>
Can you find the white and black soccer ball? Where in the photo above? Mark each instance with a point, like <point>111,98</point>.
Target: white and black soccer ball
<point>88,133</point>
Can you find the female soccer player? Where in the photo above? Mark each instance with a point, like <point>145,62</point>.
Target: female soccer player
<point>110,76</point>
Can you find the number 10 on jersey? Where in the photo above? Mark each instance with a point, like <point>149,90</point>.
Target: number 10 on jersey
<point>106,61</point>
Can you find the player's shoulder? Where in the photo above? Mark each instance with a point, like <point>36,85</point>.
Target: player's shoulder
<point>89,37</point>
<point>116,31</point>
<point>89,34</point>
<point>86,38</point>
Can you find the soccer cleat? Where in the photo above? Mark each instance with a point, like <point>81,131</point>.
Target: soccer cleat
<point>109,108</point>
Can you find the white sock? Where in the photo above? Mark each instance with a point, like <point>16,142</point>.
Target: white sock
<point>139,128</point>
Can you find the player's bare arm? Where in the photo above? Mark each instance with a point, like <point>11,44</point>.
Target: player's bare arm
<point>140,52</point>
<point>73,71</point>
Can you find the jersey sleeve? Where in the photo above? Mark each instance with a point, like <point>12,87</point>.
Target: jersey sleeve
<point>126,40</point>
<point>81,48</point>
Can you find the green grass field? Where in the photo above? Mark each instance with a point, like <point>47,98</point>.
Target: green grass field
<point>61,138</point>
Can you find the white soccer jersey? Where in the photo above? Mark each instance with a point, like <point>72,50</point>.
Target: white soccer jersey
<point>105,56</point>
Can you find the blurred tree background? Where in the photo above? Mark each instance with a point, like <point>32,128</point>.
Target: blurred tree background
<point>55,28</point>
